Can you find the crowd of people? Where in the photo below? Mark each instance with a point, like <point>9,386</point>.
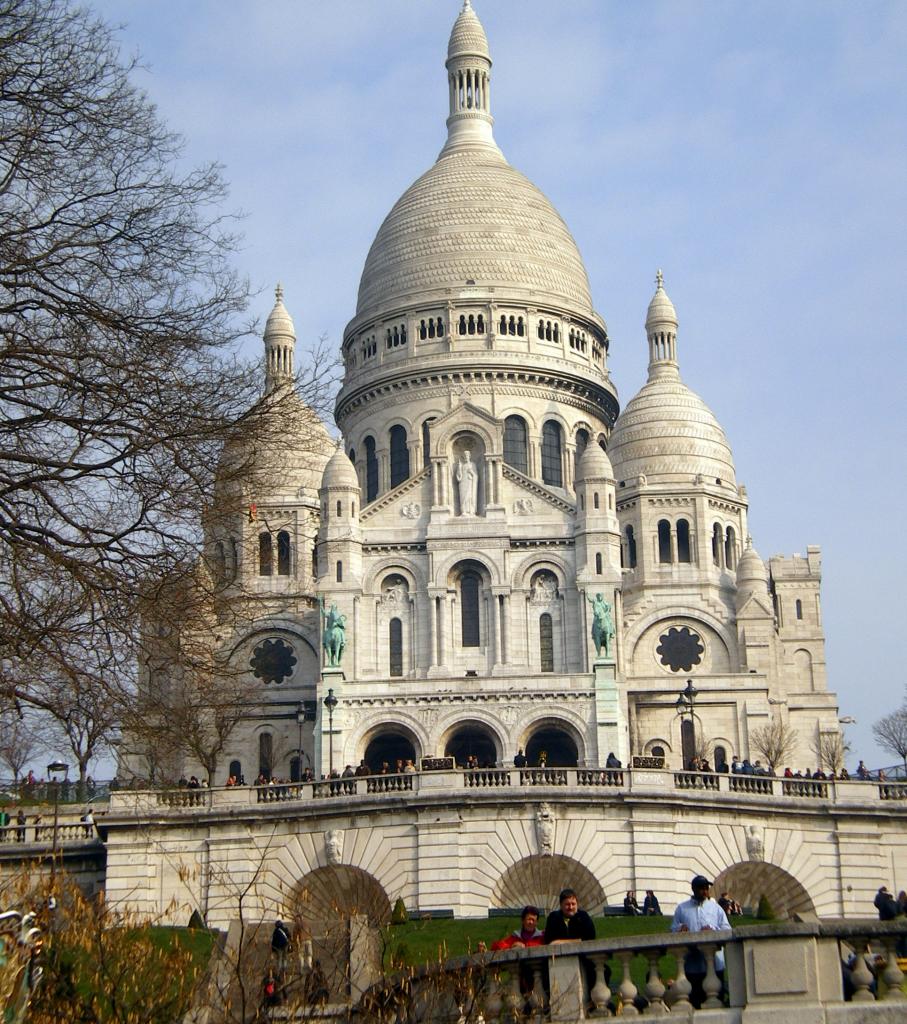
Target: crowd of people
<point>743,766</point>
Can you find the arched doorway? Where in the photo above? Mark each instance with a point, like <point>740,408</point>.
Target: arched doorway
<point>748,881</point>
<point>557,743</point>
<point>472,739</point>
<point>538,879</point>
<point>390,746</point>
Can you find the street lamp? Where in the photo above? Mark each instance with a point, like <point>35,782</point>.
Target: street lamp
<point>56,773</point>
<point>686,702</point>
<point>330,702</point>
<point>300,719</point>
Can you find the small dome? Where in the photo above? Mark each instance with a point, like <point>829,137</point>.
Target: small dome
<point>594,464</point>
<point>279,322</point>
<point>467,37</point>
<point>661,309</point>
<point>751,570</point>
<point>340,472</point>
<point>668,434</point>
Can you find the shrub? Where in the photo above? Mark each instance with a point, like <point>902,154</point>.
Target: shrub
<point>399,914</point>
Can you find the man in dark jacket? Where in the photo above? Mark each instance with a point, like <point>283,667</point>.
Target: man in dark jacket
<point>569,924</point>
<point>280,945</point>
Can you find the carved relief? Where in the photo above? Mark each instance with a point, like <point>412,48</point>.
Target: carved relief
<point>544,588</point>
<point>544,829</point>
<point>524,506</point>
<point>411,510</point>
<point>333,845</point>
<point>755,847</point>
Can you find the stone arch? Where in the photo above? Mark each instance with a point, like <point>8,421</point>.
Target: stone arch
<point>696,618</point>
<point>406,725</point>
<point>462,732</point>
<point>803,669</point>
<point>408,569</point>
<point>445,570</point>
<point>523,572</point>
<point>334,894</point>
<point>468,424</point>
<point>749,880</point>
<point>657,741</point>
<point>539,878</point>
<point>525,414</point>
<point>573,729</point>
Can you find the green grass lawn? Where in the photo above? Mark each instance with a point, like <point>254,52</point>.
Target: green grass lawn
<point>197,941</point>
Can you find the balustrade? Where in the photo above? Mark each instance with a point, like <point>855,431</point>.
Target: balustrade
<point>551,984</point>
<point>486,777</point>
<point>696,780</point>
<point>815,789</point>
<point>760,784</point>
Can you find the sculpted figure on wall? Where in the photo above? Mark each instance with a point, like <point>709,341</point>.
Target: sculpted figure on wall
<point>544,829</point>
<point>333,845</point>
<point>467,483</point>
<point>602,626</point>
<point>755,847</point>
<point>334,635</point>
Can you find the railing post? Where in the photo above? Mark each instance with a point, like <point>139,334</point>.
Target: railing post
<point>893,976</point>
<point>655,988</point>
<point>681,989</point>
<point>711,985</point>
<point>861,975</point>
<point>600,994</point>
<point>627,989</point>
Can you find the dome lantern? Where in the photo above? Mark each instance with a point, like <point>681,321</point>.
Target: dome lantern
<point>469,80</point>
<point>280,345</point>
<point>661,330</point>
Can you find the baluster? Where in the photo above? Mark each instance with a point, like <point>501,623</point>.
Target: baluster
<point>494,1001</point>
<point>627,989</point>
<point>513,997</point>
<point>861,975</point>
<point>600,994</point>
<point>681,989</point>
<point>536,1000</point>
<point>712,983</point>
<point>892,975</point>
<point>655,988</point>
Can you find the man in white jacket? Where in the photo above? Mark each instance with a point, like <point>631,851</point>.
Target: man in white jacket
<point>700,914</point>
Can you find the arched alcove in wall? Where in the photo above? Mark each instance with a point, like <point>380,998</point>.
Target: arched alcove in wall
<point>333,894</point>
<point>747,881</point>
<point>389,744</point>
<point>472,739</point>
<point>539,878</point>
<point>557,743</point>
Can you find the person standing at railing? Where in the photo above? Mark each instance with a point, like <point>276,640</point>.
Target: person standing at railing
<point>700,913</point>
<point>568,924</point>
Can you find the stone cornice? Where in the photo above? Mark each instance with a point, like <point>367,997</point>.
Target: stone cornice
<point>539,490</point>
<point>389,497</point>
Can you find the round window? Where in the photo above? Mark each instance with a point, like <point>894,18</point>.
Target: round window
<point>680,649</point>
<point>272,661</point>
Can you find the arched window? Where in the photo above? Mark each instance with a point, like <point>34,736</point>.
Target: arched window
<point>716,544</point>
<point>472,324</point>
<point>520,330</point>
<point>657,751</point>
<point>631,547</point>
<point>515,443</point>
<point>546,643</point>
<point>664,540</point>
<point>295,768</point>
<point>266,754</point>
<point>431,328</point>
<point>720,756</point>
<point>395,646</point>
<point>339,573</point>
<point>426,441</point>
<point>469,609</point>
<point>511,325</point>
<point>480,324</point>
<point>502,326</point>
<point>730,548</point>
<point>683,541</point>
<point>353,456</point>
<point>399,455</point>
<point>799,607</point>
<point>598,563</point>
<point>339,508</point>
<point>265,554</point>
<point>541,328</point>
<point>582,442</point>
<point>423,330</point>
<point>462,325</point>
<point>283,553</point>
<point>552,473</point>
<point>235,769</point>
<point>371,470</point>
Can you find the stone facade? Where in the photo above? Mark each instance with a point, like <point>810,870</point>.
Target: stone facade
<point>484,495</point>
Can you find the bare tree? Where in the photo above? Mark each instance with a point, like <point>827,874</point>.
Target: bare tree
<point>830,749</point>
<point>123,405</point>
<point>21,739</point>
<point>891,733</point>
<point>775,741</point>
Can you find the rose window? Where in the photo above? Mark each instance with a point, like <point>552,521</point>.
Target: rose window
<point>680,649</point>
<point>272,661</point>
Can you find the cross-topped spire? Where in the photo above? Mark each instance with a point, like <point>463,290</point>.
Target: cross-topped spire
<point>278,292</point>
<point>659,279</point>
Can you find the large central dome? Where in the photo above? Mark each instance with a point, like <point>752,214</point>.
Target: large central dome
<point>472,219</point>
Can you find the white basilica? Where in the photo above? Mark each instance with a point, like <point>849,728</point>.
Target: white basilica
<point>490,504</point>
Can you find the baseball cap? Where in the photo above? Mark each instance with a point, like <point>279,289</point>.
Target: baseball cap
<point>699,881</point>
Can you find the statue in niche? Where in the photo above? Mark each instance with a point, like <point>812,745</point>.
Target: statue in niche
<point>334,636</point>
<point>333,845</point>
<point>467,474</point>
<point>602,626</point>
<point>544,829</point>
<point>755,848</point>
<point>544,589</point>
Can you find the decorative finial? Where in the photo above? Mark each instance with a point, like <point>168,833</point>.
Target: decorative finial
<point>467,5</point>
<point>659,278</point>
<point>278,291</point>
<point>749,543</point>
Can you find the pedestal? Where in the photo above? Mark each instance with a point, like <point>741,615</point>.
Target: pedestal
<point>331,679</point>
<point>610,713</point>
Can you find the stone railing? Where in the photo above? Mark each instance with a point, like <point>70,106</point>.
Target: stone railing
<point>487,780</point>
<point>42,833</point>
<point>787,973</point>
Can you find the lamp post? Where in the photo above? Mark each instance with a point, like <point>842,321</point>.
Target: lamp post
<point>56,772</point>
<point>686,702</point>
<point>330,702</point>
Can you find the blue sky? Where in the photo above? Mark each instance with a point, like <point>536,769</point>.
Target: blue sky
<point>756,152</point>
